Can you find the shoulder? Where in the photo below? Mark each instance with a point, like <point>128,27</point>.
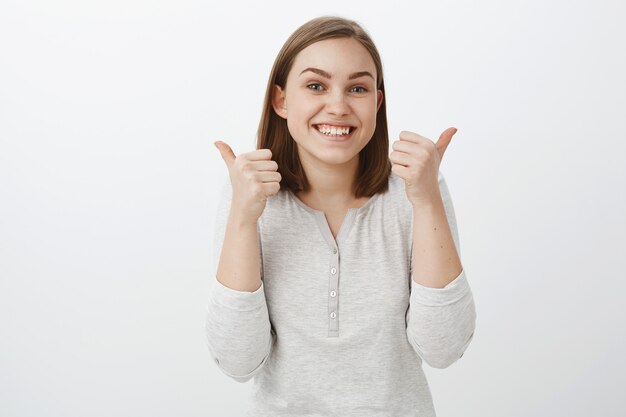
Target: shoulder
<point>393,201</point>
<point>395,182</point>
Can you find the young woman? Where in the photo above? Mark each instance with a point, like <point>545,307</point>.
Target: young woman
<point>339,270</point>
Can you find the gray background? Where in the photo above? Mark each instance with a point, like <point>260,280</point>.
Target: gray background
<point>109,176</point>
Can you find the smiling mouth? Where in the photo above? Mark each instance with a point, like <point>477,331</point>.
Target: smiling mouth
<point>334,133</point>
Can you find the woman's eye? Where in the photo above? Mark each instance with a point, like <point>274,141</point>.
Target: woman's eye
<point>318,87</point>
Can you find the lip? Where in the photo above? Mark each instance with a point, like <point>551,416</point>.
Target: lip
<point>343,138</point>
<point>336,124</point>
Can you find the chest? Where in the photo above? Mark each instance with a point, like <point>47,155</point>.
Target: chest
<point>334,220</point>
<point>312,289</point>
<point>337,216</point>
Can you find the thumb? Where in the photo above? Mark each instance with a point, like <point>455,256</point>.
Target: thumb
<point>444,140</point>
<point>227,153</point>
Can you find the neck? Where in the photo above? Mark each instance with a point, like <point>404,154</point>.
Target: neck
<point>331,184</point>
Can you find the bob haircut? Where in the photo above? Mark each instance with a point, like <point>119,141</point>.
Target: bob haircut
<point>273,133</point>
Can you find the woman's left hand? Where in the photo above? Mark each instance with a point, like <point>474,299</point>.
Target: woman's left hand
<point>416,159</point>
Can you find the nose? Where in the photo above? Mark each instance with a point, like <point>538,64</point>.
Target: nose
<point>337,104</point>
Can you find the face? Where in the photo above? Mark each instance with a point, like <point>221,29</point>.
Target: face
<point>332,84</point>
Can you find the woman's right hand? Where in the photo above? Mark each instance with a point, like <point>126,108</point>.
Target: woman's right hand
<point>254,177</point>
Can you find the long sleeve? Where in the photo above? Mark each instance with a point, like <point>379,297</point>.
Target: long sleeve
<point>238,329</point>
<point>441,321</point>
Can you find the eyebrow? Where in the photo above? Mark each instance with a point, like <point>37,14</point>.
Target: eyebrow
<point>327,75</point>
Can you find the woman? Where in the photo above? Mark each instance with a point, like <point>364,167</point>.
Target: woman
<point>338,265</point>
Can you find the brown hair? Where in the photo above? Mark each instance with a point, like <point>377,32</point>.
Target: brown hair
<point>273,133</point>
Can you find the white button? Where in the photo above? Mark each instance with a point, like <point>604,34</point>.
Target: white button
<point>333,315</point>
<point>333,293</point>
<point>333,271</point>
<point>334,250</point>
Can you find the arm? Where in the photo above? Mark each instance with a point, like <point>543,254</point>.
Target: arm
<point>441,317</point>
<point>240,266</point>
<point>434,256</point>
<point>238,329</point>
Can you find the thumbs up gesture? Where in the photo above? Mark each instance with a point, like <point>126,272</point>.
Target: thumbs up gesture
<point>254,177</point>
<point>416,159</point>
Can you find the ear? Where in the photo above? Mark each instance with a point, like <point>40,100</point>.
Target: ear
<point>279,102</point>
<point>380,99</point>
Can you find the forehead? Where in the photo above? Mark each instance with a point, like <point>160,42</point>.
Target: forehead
<point>338,56</point>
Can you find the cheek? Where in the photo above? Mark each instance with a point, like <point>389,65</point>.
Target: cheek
<point>302,114</point>
<point>368,117</point>
<point>297,124</point>
<point>292,126</point>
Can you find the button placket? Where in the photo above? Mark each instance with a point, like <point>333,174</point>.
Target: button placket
<point>333,288</point>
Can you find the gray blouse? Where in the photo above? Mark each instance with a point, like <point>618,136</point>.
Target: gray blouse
<point>338,327</point>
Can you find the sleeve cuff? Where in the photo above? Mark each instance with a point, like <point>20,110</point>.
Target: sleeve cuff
<point>238,300</point>
<point>449,294</point>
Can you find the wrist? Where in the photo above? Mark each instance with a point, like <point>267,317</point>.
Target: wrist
<point>239,220</point>
<point>425,204</point>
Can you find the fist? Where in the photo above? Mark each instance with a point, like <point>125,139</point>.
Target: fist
<point>416,159</point>
<point>254,177</point>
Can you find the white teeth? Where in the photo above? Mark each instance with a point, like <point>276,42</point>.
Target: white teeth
<point>334,131</point>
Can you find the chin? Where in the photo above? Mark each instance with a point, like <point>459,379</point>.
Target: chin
<point>326,153</point>
<point>334,157</point>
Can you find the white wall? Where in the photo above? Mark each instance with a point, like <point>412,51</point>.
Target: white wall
<point>108,179</point>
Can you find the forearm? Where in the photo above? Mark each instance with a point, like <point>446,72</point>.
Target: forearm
<point>435,261</point>
<point>240,266</point>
